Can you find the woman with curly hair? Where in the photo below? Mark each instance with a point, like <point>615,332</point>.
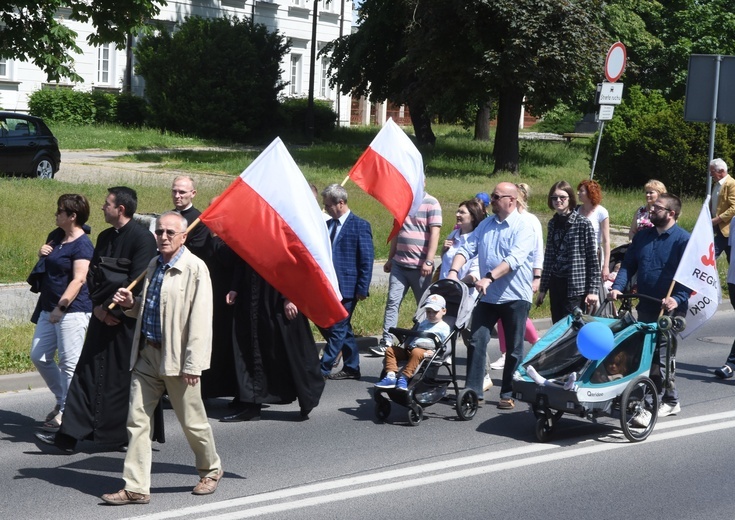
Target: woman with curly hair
<point>590,196</point>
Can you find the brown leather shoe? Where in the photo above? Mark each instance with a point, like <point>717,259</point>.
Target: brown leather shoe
<point>124,497</point>
<point>208,485</point>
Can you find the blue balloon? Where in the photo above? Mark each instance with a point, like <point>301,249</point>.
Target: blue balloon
<point>595,340</point>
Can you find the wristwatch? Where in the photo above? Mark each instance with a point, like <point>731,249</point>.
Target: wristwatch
<point>490,275</point>
<point>62,308</point>
<point>429,263</point>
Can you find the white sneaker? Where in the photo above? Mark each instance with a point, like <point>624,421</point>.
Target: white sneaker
<point>487,383</point>
<point>499,364</point>
<point>667,409</point>
<point>642,419</point>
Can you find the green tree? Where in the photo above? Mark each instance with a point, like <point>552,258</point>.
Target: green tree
<point>441,52</point>
<point>213,77</point>
<point>31,30</point>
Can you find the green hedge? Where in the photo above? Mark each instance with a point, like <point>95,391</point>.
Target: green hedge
<point>83,108</point>
<point>293,118</point>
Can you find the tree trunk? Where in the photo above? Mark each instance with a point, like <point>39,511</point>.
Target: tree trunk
<point>506,150</point>
<point>421,123</point>
<point>482,123</point>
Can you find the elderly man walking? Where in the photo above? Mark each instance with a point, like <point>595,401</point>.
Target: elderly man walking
<point>504,243</point>
<point>722,205</point>
<point>171,348</point>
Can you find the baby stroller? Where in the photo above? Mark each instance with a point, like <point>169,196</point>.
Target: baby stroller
<point>432,377</point>
<point>627,396</point>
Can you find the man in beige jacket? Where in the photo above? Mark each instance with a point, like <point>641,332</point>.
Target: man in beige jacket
<point>172,346</point>
<point>722,205</point>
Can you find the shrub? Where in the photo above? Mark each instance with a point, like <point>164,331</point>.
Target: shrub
<point>559,120</point>
<point>293,118</point>
<point>227,85</point>
<point>63,105</point>
<point>648,138</point>
<point>131,110</point>
<point>105,106</point>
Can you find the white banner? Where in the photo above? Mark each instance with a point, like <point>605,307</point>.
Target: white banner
<point>698,271</point>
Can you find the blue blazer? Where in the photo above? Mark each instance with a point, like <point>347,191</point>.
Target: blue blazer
<point>353,256</point>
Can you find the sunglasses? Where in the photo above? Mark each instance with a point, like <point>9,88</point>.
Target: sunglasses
<point>170,233</point>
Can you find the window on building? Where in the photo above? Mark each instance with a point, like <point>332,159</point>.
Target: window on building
<point>103,64</point>
<point>3,68</point>
<point>295,87</point>
<point>324,84</point>
<point>300,3</point>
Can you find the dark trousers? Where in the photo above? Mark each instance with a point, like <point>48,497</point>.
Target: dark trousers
<point>721,244</point>
<point>731,356</point>
<point>561,304</point>
<point>484,318</point>
<point>666,394</point>
<point>341,338</point>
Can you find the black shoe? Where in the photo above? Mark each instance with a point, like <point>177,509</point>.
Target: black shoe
<point>250,414</point>
<point>50,439</point>
<point>235,403</point>
<point>345,374</point>
<point>304,414</point>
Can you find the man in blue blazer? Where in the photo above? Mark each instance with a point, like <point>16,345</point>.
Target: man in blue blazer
<point>352,255</point>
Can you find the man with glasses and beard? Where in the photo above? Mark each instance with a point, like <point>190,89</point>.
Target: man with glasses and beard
<point>654,255</point>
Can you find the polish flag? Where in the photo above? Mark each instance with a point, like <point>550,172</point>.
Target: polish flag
<point>698,271</point>
<point>269,217</point>
<point>392,171</point>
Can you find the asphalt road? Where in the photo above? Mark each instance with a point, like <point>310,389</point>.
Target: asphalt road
<point>342,463</point>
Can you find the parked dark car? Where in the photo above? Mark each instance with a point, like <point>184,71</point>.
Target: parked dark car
<point>27,146</point>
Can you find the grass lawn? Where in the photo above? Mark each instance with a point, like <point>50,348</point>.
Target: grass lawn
<point>456,168</point>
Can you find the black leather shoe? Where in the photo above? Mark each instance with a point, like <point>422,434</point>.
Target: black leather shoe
<point>251,414</point>
<point>50,439</point>
<point>345,374</point>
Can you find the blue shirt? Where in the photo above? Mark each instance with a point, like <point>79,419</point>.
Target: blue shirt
<point>151,326</point>
<point>59,264</point>
<point>511,241</point>
<point>655,257</point>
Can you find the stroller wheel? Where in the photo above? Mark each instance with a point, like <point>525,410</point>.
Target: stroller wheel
<point>544,427</point>
<point>466,404</point>
<point>639,409</point>
<point>382,408</point>
<point>664,323</point>
<point>415,414</point>
<point>679,324</point>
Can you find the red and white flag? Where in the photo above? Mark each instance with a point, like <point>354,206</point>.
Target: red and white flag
<point>392,171</point>
<point>270,217</point>
<point>698,271</point>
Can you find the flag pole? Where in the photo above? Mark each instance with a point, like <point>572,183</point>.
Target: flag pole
<point>345,181</point>
<point>142,275</point>
<point>671,289</point>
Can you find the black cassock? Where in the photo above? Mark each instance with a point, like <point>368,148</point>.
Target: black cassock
<point>276,359</point>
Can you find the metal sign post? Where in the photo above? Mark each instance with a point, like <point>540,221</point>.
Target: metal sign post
<point>610,93</point>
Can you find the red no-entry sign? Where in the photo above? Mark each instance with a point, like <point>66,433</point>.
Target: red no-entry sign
<point>615,62</point>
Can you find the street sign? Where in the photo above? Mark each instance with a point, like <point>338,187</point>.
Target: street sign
<point>606,113</point>
<point>611,94</point>
<point>615,62</point>
<point>708,84</point>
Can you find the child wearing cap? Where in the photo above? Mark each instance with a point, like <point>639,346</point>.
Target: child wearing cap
<point>418,348</point>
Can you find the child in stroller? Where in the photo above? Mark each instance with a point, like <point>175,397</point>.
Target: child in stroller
<point>430,353</point>
<point>418,348</point>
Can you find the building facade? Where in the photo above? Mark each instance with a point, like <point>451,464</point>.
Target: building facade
<point>109,69</point>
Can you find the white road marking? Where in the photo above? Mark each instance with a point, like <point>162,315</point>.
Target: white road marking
<point>491,463</point>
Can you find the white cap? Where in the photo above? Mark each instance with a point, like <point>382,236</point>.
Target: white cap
<point>435,302</point>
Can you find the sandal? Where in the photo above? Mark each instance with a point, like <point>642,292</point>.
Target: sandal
<point>53,413</point>
<point>506,404</point>
<point>52,425</point>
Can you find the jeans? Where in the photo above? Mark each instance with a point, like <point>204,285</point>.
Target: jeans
<point>66,336</point>
<point>668,394</point>
<point>484,318</point>
<point>401,280</point>
<point>341,338</point>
